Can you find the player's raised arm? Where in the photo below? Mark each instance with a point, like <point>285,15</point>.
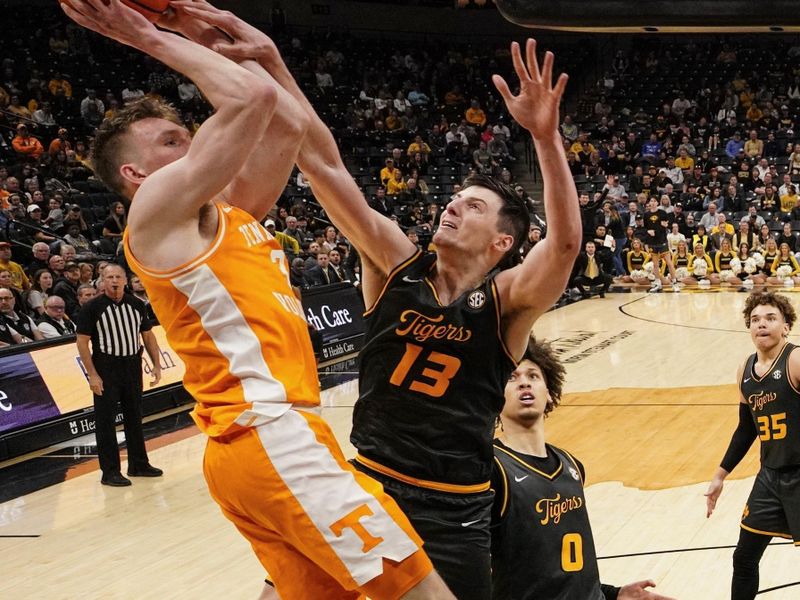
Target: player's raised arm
<point>531,288</point>
<point>244,105</point>
<point>262,179</point>
<point>377,238</point>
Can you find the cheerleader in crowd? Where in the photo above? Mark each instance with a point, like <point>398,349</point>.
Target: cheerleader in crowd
<point>682,261</point>
<point>722,263</point>
<point>770,254</point>
<point>749,264</point>
<point>784,267</point>
<point>637,259</point>
<point>700,267</point>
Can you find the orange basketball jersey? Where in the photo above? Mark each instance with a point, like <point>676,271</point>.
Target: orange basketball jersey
<point>231,316</point>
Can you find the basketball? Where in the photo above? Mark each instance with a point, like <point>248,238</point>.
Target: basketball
<point>152,9</point>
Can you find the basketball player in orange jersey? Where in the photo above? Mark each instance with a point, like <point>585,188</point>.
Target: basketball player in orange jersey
<point>443,332</point>
<point>219,285</point>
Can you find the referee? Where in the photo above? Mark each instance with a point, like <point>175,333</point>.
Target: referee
<point>113,323</point>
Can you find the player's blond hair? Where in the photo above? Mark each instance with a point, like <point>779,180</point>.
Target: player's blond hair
<point>106,151</point>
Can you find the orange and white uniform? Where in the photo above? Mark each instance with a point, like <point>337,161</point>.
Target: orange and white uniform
<point>319,527</point>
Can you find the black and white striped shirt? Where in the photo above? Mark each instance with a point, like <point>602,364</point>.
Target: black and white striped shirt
<point>114,327</point>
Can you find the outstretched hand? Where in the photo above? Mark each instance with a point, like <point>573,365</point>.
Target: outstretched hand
<point>113,20</point>
<point>245,41</point>
<point>712,495</point>
<point>536,106</point>
<point>639,591</point>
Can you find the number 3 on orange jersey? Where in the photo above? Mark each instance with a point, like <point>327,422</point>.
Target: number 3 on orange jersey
<point>441,377</point>
<point>279,257</point>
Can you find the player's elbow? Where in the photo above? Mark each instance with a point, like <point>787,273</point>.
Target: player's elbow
<point>570,248</point>
<point>258,99</point>
<point>264,96</point>
<point>294,122</point>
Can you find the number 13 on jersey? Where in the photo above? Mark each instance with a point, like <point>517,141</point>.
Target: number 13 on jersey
<point>438,369</point>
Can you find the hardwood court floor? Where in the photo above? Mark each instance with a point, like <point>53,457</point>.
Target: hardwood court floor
<point>649,409</point>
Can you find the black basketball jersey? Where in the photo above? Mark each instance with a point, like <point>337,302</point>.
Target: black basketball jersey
<point>775,406</point>
<point>652,221</point>
<point>431,381</point>
<point>542,544</point>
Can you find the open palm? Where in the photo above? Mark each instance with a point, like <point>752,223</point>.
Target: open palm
<point>536,105</point>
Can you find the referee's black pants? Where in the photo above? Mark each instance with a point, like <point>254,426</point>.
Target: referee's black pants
<point>122,386</point>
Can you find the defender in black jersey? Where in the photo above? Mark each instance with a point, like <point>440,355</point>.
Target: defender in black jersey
<point>769,408</point>
<point>542,545</point>
<point>443,332</point>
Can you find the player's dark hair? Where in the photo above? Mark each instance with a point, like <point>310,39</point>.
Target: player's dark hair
<point>779,301</point>
<point>107,145</point>
<point>513,218</point>
<point>542,354</point>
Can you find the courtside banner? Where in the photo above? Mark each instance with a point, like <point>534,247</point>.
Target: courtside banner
<point>50,382</point>
<point>24,397</point>
<point>336,311</point>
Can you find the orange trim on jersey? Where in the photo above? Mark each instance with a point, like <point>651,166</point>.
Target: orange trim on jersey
<point>773,534</point>
<point>389,278</point>
<point>549,476</point>
<point>504,506</point>
<point>188,265</point>
<point>496,296</point>
<point>424,483</point>
<point>574,463</point>
<point>435,293</point>
<point>771,366</point>
<point>788,374</point>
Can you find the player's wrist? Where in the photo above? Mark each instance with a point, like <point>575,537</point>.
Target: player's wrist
<point>548,140</point>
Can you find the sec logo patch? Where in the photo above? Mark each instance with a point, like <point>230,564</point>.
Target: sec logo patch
<point>476,299</point>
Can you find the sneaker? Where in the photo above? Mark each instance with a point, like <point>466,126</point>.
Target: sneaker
<point>145,471</point>
<point>115,480</point>
<point>676,287</point>
<point>656,287</point>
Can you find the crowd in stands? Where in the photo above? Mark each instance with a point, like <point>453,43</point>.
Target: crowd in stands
<point>703,135</point>
<point>412,118</point>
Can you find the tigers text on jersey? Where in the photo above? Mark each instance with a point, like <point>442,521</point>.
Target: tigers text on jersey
<point>542,544</point>
<point>775,406</point>
<point>232,317</point>
<point>431,382</point>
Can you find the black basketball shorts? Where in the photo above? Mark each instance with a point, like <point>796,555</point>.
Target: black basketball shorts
<point>773,507</point>
<point>454,529</point>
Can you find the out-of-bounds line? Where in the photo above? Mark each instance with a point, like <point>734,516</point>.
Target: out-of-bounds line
<point>675,550</point>
<point>32,535</point>
<point>621,309</point>
<point>777,587</point>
